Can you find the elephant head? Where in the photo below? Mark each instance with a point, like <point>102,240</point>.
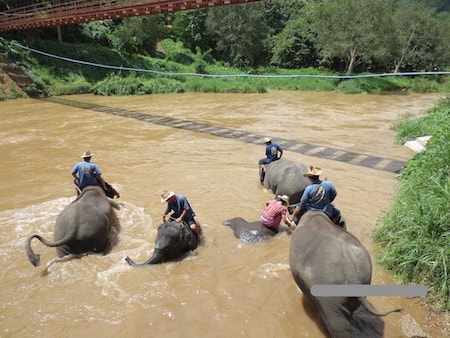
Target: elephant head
<point>249,232</point>
<point>172,241</point>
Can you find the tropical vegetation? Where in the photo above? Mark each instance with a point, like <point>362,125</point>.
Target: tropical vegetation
<point>413,236</point>
<point>271,44</point>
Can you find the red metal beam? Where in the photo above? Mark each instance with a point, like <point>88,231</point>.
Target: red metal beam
<point>52,13</point>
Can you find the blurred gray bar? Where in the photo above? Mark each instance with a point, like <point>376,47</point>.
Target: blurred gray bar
<point>362,290</point>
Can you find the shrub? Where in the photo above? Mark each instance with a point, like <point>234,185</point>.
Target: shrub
<point>413,235</point>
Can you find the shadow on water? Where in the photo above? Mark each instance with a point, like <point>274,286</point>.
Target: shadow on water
<point>353,158</point>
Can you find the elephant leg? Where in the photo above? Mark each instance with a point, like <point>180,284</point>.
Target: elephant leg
<point>335,316</point>
<point>59,260</point>
<point>262,173</point>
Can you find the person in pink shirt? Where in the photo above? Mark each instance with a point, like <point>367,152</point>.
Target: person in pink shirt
<point>274,212</point>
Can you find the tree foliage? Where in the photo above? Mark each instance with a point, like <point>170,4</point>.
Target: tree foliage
<point>240,34</point>
<point>348,36</point>
<point>294,46</point>
<point>139,34</point>
<point>190,28</point>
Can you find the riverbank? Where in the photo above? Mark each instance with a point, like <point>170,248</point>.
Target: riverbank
<point>64,69</point>
<point>413,235</point>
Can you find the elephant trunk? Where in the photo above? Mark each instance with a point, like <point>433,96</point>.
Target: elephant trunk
<point>157,258</point>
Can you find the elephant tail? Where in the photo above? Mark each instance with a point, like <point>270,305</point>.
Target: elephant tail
<point>369,307</point>
<point>35,258</point>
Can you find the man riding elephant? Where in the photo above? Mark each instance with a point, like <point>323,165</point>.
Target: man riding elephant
<point>86,173</point>
<point>318,196</point>
<point>181,210</point>
<point>176,236</point>
<point>273,153</point>
<point>174,239</point>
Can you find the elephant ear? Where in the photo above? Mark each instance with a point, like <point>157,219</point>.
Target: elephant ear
<point>110,191</point>
<point>190,238</point>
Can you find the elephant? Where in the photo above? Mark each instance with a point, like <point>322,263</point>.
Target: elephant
<point>285,177</point>
<point>172,241</point>
<point>249,232</point>
<point>322,253</point>
<point>84,226</point>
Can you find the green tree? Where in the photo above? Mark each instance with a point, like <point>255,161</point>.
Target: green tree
<point>294,47</point>
<point>98,31</point>
<point>240,34</point>
<point>414,33</point>
<point>352,31</point>
<point>442,44</point>
<point>277,13</point>
<point>190,28</point>
<point>139,34</point>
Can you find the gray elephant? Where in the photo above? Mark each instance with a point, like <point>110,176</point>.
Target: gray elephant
<point>84,226</point>
<point>174,239</point>
<point>249,232</point>
<point>323,253</point>
<point>285,177</point>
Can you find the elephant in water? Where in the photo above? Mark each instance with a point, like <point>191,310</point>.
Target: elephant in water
<point>84,226</point>
<point>285,177</point>
<point>323,253</point>
<point>172,241</point>
<point>249,232</point>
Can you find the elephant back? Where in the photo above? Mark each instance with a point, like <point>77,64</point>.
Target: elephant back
<point>285,177</point>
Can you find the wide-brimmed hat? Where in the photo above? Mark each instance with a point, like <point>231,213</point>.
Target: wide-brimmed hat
<point>313,171</point>
<point>166,195</point>
<point>284,198</point>
<point>86,154</point>
<point>267,139</point>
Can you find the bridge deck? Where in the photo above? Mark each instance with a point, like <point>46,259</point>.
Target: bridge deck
<point>55,12</point>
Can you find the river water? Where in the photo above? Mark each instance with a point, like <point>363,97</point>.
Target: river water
<point>206,147</point>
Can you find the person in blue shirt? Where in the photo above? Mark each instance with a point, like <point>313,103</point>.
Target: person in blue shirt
<point>181,210</point>
<point>273,153</point>
<point>86,173</point>
<point>318,196</point>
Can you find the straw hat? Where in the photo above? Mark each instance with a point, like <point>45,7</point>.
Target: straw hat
<point>86,154</point>
<point>284,198</point>
<point>166,195</point>
<point>313,171</point>
<point>267,139</point>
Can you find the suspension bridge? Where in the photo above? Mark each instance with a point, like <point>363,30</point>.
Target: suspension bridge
<point>59,12</point>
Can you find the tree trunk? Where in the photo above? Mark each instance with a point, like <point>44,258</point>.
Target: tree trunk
<point>352,62</point>
<point>58,31</point>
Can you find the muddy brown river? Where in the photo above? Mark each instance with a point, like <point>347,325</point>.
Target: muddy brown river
<point>206,147</point>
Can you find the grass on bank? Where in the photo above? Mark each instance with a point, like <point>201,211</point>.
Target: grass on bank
<point>176,69</point>
<point>413,236</point>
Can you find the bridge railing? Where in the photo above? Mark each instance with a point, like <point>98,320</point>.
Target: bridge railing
<point>57,12</point>
<point>58,8</point>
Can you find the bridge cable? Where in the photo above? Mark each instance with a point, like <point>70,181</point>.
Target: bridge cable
<point>227,75</point>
